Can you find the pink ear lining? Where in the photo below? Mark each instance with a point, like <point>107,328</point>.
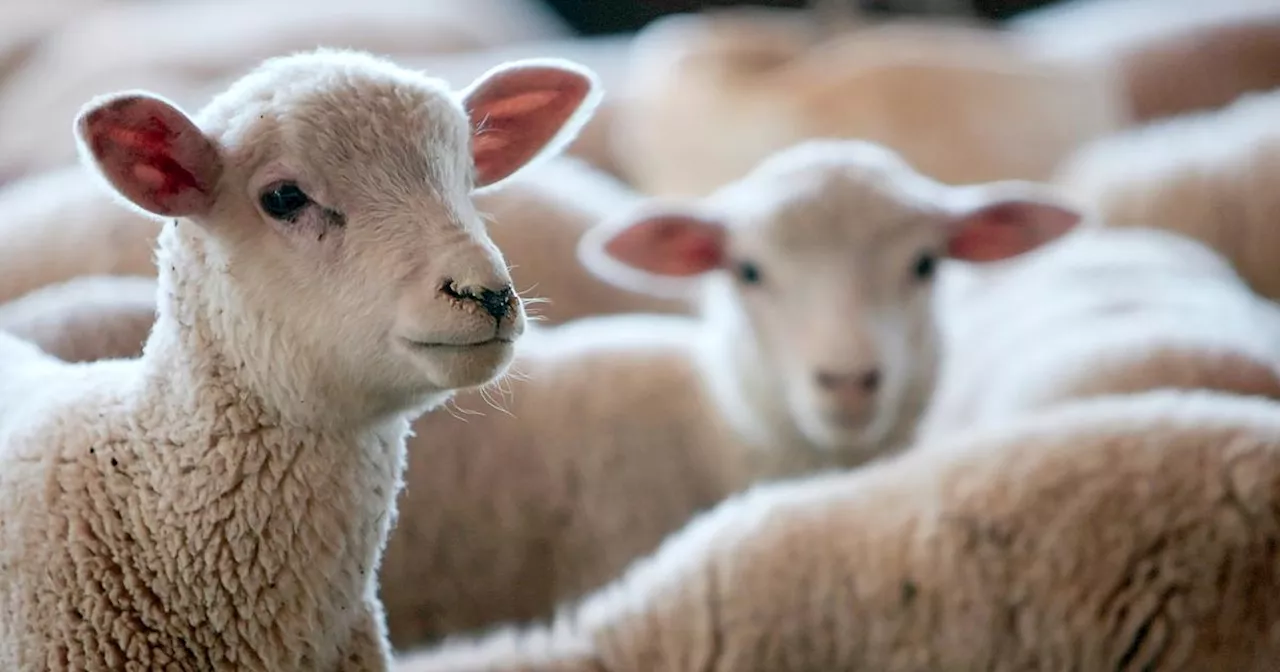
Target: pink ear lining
<point>1004,230</point>
<point>152,154</point>
<point>516,113</point>
<point>669,245</point>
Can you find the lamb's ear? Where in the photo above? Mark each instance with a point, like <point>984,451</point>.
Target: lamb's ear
<point>524,109</point>
<point>655,250</point>
<point>1003,220</point>
<point>151,153</point>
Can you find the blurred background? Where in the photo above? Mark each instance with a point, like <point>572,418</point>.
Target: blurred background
<point>697,91</point>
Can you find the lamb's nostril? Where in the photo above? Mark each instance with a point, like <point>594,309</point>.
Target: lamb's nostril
<point>871,380</point>
<point>498,303</point>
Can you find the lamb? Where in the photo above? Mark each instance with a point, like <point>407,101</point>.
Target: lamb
<point>86,319</point>
<point>222,501</point>
<point>814,349</point>
<point>60,226</point>
<point>1104,311</point>
<point>1124,533</point>
<point>1212,176</point>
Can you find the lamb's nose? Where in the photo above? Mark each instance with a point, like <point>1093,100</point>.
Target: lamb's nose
<point>498,304</point>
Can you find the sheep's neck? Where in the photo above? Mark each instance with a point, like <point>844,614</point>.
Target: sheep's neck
<point>220,449</point>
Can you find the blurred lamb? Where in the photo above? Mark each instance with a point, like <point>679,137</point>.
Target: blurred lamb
<point>815,349</point>
<point>60,225</point>
<point>1128,533</point>
<point>1213,176</point>
<point>1103,311</point>
<point>223,501</point>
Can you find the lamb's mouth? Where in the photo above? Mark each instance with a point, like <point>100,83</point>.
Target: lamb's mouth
<point>423,345</point>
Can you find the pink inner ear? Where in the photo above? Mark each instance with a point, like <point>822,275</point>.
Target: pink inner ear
<point>153,154</point>
<point>517,112</point>
<point>670,245</point>
<point>1007,229</point>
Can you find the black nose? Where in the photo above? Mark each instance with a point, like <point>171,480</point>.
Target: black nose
<point>498,303</point>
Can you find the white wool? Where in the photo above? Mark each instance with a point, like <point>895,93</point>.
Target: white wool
<point>1104,311</point>
<point>85,319</point>
<point>709,96</point>
<point>223,500</point>
<point>1131,532</point>
<point>1212,176</point>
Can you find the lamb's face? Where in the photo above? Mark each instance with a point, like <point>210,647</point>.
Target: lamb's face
<point>829,268</point>
<point>352,192</point>
<point>342,209</point>
<point>819,269</point>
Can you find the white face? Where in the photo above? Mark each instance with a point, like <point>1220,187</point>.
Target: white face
<point>365,243</point>
<point>843,326</point>
<point>333,196</point>
<point>817,275</point>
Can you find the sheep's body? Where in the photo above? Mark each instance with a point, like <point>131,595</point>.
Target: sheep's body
<point>60,225</point>
<point>148,559</point>
<point>1212,176</point>
<point>711,96</point>
<point>1132,532</point>
<point>604,442</point>
<point>1104,311</point>
<point>85,319</point>
<point>223,500</point>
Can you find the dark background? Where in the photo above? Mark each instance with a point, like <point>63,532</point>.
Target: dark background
<point>601,17</point>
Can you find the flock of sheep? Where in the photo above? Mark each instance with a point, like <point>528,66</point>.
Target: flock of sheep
<point>373,369</point>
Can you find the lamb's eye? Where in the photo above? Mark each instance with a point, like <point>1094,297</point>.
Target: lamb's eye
<point>748,273</point>
<point>284,201</point>
<point>925,266</point>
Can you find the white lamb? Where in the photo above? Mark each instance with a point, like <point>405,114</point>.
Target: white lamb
<point>222,501</point>
<point>1103,311</point>
<point>814,349</point>
<point>1214,176</point>
<point>1128,533</point>
<point>60,225</point>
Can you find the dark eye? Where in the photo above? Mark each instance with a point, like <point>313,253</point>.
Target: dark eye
<point>284,201</point>
<point>925,266</point>
<point>748,273</point>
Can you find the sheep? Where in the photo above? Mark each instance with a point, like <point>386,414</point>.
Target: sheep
<point>1171,57</point>
<point>60,225</point>
<point>1103,311</point>
<point>1214,176</point>
<point>1133,532</point>
<point>813,349</point>
<point>710,96</point>
<point>86,319</point>
<point>223,500</point>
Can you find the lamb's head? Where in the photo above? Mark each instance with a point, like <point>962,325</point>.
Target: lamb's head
<point>816,272</point>
<point>327,197</point>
